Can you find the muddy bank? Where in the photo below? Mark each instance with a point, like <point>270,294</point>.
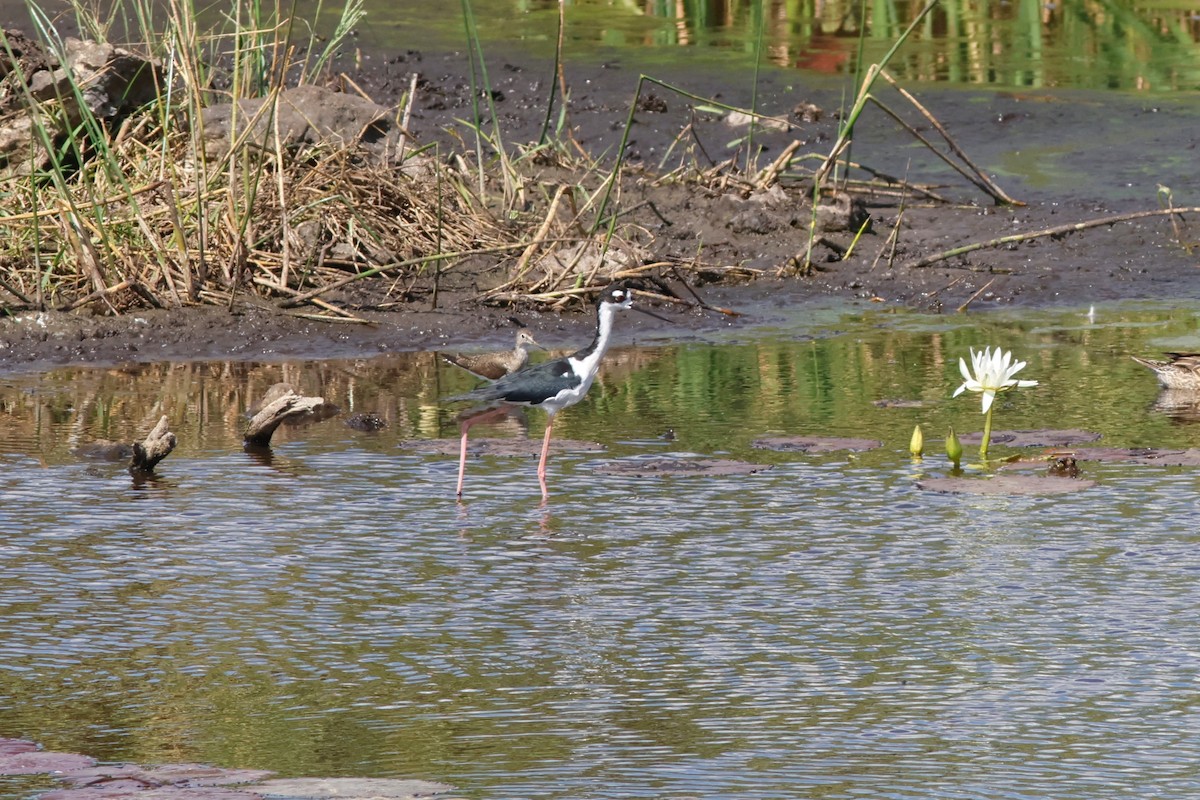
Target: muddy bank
<point>1069,156</point>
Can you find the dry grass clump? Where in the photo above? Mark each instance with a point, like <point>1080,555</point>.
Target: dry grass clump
<point>137,210</point>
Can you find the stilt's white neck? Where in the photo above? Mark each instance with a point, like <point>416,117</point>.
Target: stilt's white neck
<point>588,359</point>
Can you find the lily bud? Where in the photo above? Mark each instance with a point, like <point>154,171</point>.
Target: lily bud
<point>954,448</point>
<point>916,445</point>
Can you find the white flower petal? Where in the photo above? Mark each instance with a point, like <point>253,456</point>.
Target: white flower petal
<point>962,367</point>
<point>988,397</point>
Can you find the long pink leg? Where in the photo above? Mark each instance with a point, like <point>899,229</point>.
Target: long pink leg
<point>462,456</point>
<point>467,422</point>
<point>545,453</point>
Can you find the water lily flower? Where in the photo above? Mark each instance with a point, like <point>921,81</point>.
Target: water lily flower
<point>991,373</point>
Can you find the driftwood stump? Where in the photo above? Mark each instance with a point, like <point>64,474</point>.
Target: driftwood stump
<point>157,445</point>
<point>286,404</point>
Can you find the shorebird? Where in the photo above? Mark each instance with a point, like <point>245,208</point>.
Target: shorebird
<point>491,366</point>
<point>552,385</point>
<point>1181,370</point>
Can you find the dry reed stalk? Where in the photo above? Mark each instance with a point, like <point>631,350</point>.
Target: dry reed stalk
<point>1057,230</point>
<point>407,117</point>
<point>539,239</point>
<point>285,229</point>
<point>79,207</point>
<point>99,294</point>
<point>771,174</point>
<point>976,178</point>
<point>973,297</point>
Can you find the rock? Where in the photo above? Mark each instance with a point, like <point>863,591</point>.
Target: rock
<point>308,116</point>
<point>842,212</point>
<point>94,79</point>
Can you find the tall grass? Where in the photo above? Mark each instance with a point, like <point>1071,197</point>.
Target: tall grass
<point>133,210</point>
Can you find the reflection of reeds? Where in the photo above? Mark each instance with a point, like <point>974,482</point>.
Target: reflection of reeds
<point>1110,45</point>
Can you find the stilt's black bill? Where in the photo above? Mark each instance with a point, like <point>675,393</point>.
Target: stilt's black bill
<point>652,314</point>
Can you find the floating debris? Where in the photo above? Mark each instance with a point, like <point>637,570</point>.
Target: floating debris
<point>188,776</point>
<point>368,422</point>
<point>142,456</point>
<point>131,790</point>
<point>281,403</point>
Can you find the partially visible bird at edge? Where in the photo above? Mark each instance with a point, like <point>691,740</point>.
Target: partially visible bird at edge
<point>1179,371</point>
<point>552,385</point>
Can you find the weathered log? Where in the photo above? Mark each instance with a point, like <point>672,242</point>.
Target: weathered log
<point>262,426</point>
<point>157,445</point>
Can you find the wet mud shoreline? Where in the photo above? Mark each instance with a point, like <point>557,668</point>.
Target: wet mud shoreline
<point>1100,155</point>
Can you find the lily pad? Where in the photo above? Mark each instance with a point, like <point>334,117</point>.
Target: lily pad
<point>673,465</point>
<point>127,790</point>
<point>1042,438</point>
<point>1005,485</point>
<point>1163,457</point>
<point>10,747</point>
<point>31,762</point>
<point>179,775</point>
<point>499,447</point>
<point>350,788</point>
<point>814,444</point>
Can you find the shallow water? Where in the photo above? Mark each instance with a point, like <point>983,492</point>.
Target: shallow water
<point>1073,44</point>
<point>822,628</point>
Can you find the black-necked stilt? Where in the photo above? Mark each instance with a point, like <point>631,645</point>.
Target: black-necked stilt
<point>491,366</point>
<point>552,385</point>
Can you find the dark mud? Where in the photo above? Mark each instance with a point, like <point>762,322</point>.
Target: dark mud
<point>1069,156</point>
